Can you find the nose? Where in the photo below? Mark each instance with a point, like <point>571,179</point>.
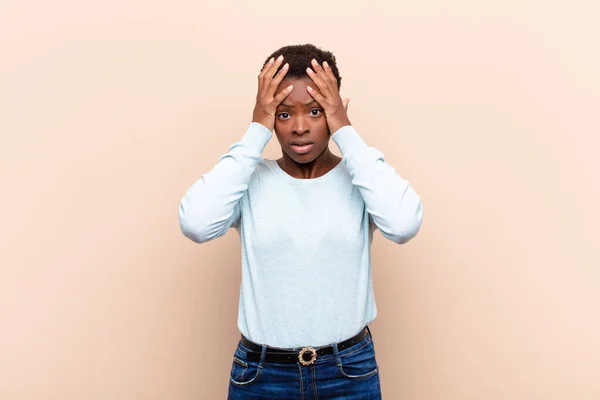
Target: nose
<point>300,126</point>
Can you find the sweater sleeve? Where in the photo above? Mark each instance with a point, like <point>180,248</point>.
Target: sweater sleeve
<point>393,205</point>
<point>212,204</point>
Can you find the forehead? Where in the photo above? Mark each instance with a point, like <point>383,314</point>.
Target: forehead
<point>299,94</point>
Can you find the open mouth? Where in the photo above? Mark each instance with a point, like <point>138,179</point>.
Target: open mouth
<point>302,149</point>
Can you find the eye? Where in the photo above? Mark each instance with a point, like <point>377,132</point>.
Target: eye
<point>318,110</point>
<point>282,115</point>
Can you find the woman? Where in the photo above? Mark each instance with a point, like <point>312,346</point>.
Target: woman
<point>306,224</point>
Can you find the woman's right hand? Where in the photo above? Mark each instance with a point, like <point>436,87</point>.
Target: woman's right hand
<point>266,101</point>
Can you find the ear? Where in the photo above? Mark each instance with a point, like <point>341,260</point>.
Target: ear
<point>345,102</point>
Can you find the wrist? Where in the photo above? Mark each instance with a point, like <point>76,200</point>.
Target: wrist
<point>264,121</point>
<point>336,123</point>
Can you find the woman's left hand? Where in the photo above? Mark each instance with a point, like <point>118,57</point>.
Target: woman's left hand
<point>336,110</point>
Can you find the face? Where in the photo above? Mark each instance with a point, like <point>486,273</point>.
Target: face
<point>300,123</point>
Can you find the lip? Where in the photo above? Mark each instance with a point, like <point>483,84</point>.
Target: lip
<point>301,142</point>
<point>302,149</point>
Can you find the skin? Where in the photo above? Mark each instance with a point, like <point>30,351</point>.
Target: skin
<point>306,109</point>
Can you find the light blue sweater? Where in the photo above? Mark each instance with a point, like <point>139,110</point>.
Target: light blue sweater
<point>306,243</point>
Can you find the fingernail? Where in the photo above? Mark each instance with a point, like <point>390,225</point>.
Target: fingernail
<point>271,60</point>
<point>325,63</point>
<point>280,58</point>
<point>309,70</point>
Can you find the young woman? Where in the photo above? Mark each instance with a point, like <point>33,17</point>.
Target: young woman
<point>306,224</point>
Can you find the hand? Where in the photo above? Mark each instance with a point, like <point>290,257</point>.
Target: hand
<point>336,110</point>
<point>266,102</point>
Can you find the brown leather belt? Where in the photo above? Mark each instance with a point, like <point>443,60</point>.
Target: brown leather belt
<point>304,355</point>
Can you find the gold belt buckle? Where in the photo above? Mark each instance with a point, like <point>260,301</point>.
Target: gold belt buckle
<point>313,358</point>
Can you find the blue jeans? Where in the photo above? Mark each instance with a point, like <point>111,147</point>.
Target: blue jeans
<point>349,374</point>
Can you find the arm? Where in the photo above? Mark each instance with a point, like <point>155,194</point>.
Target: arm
<point>393,205</point>
<point>211,205</point>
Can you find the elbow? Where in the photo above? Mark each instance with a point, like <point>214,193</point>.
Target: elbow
<point>192,227</point>
<point>403,236</point>
<point>408,227</point>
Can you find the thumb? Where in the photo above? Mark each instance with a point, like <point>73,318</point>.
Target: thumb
<point>345,102</point>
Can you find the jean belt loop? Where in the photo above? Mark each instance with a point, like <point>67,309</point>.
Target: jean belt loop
<point>336,352</point>
<point>263,355</point>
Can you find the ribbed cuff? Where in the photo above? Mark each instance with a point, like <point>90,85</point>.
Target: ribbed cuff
<point>347,139</point>
<point>257,136</point>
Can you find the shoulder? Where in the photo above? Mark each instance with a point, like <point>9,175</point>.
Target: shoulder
<point>266,166</point>
<point>266,169</point>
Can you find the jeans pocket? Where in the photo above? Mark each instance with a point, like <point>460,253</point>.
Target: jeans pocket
<point>360,364</point>
<point>243,371</point>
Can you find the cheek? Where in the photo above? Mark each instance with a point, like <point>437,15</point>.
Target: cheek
<point>282,124</point>
<point>319,123</point>
<point>322,124</point>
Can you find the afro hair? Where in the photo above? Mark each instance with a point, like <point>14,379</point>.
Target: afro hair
<point>299,58</point>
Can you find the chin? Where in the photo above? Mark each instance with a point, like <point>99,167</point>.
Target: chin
<point>302,158</point>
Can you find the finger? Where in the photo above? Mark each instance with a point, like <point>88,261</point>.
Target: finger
<point>316,95</point>
<point>321,72</point>
<point>345,102</point>
<point>329,73</point>
<point>267,65</point>
<point>328,90</point>
<point>282,95</point>
<point>319,82</point>
<point>271,72</point>
<point>316,66</point>
<point>268,75</point>
<point>263,72</point>
<point>277,80</point>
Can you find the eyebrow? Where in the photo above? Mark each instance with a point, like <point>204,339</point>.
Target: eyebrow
<point>305,104</point>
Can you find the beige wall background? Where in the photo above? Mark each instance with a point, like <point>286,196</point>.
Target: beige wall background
<point>110,110</point>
